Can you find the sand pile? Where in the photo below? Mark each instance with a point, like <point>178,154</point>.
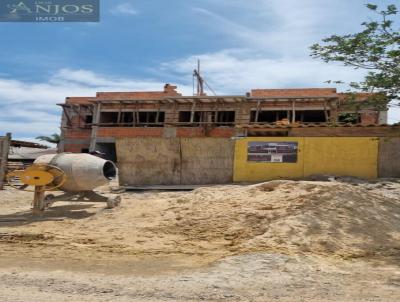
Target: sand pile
<point>328,218</point>
<point>324,218</point>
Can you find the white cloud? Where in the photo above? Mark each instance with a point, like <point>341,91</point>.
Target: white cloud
<point>29,109</point>
<point>275,26</point>
<point>238,71</point>
<point>125,8</point>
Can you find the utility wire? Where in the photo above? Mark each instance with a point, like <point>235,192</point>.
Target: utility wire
<point>209,87</point>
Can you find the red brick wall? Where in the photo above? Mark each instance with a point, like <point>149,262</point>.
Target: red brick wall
<point>221,132</point>
<point>190,132</point>
<point>304,92</point>
<point>169,90</point>
<point>132,132</point>
<point>200,132</point>
<point>369,118</point>
<point>77,133</point>
<point>75,148</point>
<point>129,132</point>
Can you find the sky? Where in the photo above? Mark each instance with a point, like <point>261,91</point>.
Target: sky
<point>142,44</point>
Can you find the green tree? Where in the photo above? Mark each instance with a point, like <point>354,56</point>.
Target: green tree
<point>54,138</point>
<point>375,49</point>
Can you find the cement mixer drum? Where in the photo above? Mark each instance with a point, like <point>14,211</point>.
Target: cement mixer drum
<point>84,172</point>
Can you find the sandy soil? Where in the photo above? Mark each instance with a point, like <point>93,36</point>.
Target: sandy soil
<point>281,240</point>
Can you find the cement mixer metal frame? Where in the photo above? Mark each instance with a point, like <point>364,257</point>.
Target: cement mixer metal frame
<point>85,196</point>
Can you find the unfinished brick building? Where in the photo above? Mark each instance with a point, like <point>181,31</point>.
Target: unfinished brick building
<point>93,123</point>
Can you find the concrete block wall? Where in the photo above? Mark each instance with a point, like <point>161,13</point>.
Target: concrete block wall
<point>204,160</point>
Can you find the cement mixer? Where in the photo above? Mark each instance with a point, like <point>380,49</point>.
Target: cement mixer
<point>75,174</point>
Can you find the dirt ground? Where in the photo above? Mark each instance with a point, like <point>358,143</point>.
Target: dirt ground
<point>281,240</point>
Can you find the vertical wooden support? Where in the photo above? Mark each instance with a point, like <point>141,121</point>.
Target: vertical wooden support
<point>79,116</point>
<point>95,127</point>
<point>66,115</point>
<point>5,146</point>
<point>326,112</point>
<point>119,114</point>
<point>158,113</point>
<point>216,106</point>
<point>293,112</point>
<point>258,111</point>
<point>175,112</point>
<point>135,115</point>
<point>134,118</point>
<point>137,119</point>
<point>192,111</point>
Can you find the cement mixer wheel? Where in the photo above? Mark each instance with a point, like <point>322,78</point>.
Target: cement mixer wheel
<point>43,176</point>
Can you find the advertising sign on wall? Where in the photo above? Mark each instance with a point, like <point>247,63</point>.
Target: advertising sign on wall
<point>272,152</point>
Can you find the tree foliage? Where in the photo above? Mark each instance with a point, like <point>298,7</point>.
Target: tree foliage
<point>53,139</point>
<point>376,49</point>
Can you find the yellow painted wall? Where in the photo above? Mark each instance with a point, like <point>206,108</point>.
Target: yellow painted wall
<point>342,156</point>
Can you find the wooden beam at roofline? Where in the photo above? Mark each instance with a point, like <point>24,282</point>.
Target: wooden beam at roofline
<point>208,100</point>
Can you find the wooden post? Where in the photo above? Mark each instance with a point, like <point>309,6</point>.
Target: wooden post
<point>258,111</point>
<point>192,111</point>
<point>5,146</point>
<point>95,127</point>
<point>133,118</point>
<point>216,106</point>
<point>66,114</point>
<point>38,201</point>
<point>293,112</point>
<point>137,118</point>
<point>175,118</point>
<point>326,112</point>
<point>158,114</point>
<point>119,114</point>
<point>79,116</point>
